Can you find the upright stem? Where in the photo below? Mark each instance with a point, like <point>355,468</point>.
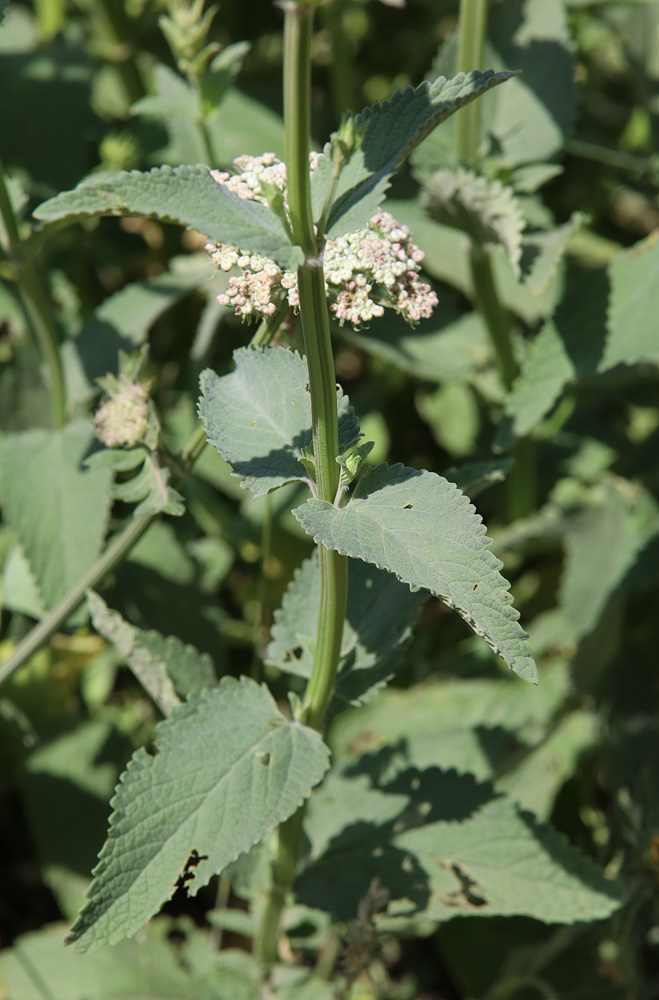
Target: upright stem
<point>495,315</point>
<point>322,389</point>
<point>36,308</point>
<point>471,47</point>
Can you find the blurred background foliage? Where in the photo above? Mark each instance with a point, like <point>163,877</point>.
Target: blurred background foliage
<point>92,85</point>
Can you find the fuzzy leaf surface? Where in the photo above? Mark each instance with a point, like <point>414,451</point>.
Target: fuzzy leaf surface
<point>633,306</point>
<point>443,845</point>
<point>57,509</point>
<point>380,616</point>
<point>229,768</point>
<point>420,527</point>
<point>166,667</point>
<point>259,417</point>
<point>186,195</point>
<point>391,129</point>
<point>148,488</point>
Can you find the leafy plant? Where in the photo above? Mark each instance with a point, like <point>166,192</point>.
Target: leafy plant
<point>351,786</point>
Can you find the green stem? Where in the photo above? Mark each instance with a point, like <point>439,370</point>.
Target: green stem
<point>36,308</point>
<point>322,389</point>
<point>117,32</point>
<point>118,548</point>
<point>116,551</point>
<point>495,316</point>
<point>471,47</point>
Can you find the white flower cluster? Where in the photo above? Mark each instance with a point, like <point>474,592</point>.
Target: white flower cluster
<point>365,272</point>
<point>123,418</point>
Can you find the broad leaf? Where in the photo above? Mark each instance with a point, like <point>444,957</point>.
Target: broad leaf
<point>259,417</point>
<point>567,349</point>
<point>424,530</point>
<point>634,306</point>
<point>389,131</point>
<point>57,509</point>
<point>543,250</point>
<point>186,195</point>
<point>474,477</point>
<point>153,968</point>
<point>229,768</point>
<point>166,667</point>
<point>443,845</point>
<point>381,613</point>
<point>512,734</point>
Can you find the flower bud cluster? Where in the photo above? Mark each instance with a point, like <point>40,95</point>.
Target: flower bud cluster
<point>123,418</point>
<point>365,272</point>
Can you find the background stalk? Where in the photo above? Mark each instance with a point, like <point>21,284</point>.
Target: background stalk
<point>314,317</point>
<point>36,309</point>
<point>471,49</point>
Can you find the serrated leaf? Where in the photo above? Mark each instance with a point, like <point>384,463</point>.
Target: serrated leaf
<point>542,251</point>
<point>57,509</point>
<point>229,768</point>
<point>259,417</point>
<point>420,527</point>
<point>390,131</point>
<point>379,620</point>
<point>567,349</point>
<point>486,210</point>
<point>474,477</point>
<point>443,845</point>
<point>148,488</point>
<point>634,305</point>
<point>167,668</point>
<point>186,195</point>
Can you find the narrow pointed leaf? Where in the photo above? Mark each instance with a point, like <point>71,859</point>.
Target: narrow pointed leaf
<point>165,666</point>
<point>186,195</point>
<point>424,530</point>
<point>379,620</point>
<point>391,130</point>
<point>259,417</point>
<point>229,768</point>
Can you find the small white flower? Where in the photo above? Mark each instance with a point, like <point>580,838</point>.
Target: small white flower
<point>365,272</point>
<point>122,420</point>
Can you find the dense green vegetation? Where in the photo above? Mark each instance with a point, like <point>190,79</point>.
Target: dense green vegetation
<point>317,808</point>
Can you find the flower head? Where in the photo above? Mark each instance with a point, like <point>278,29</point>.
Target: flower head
<point>123,419</point>
<point>365,272</point>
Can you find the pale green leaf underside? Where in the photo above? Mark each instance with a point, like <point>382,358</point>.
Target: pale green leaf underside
<point>379,620</point>
<point>57,508</point>
<point>444,846</point>
<point>259,416</point>
<point>391,130</point>
<point>420,527</point>
<point>186,195</point>
<point>229,768</point>
<point>634,306</point>
<point>149,486</point>
<point>166,667</point>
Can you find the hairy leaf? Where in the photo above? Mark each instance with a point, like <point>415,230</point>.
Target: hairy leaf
<point>474,477</point>
<point>389,131</point>
<point>424,530</point>
<point>166,667</point>
<point>57,509</point>
<point>149,488</point>
<point>567,349</point>
<point>486,210</point>
<point>229,768</point>
<point>381,613</point>
<point>634,305</point>
<point>542,252</point>
<point>186,195</point>
<point>149,969</point>
<point>259,417</point>
<point>443,845</point>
